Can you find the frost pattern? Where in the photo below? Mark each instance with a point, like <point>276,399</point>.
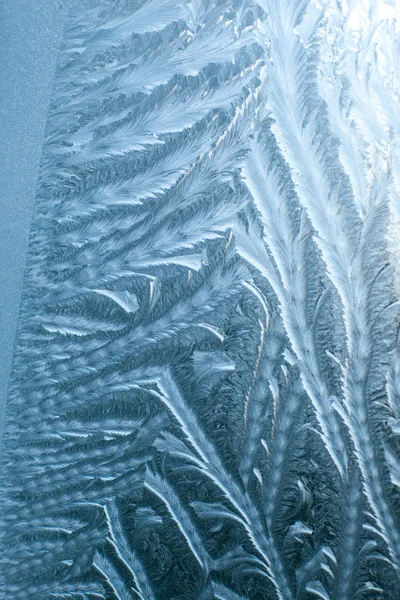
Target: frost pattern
<point>205,397</point>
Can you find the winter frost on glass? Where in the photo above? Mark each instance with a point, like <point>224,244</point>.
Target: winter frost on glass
<point>205,394</point>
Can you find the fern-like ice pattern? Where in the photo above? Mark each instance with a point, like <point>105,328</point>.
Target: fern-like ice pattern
<point>205,395</point>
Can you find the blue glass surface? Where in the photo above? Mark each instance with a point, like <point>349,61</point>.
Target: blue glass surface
<point>204,398</point>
